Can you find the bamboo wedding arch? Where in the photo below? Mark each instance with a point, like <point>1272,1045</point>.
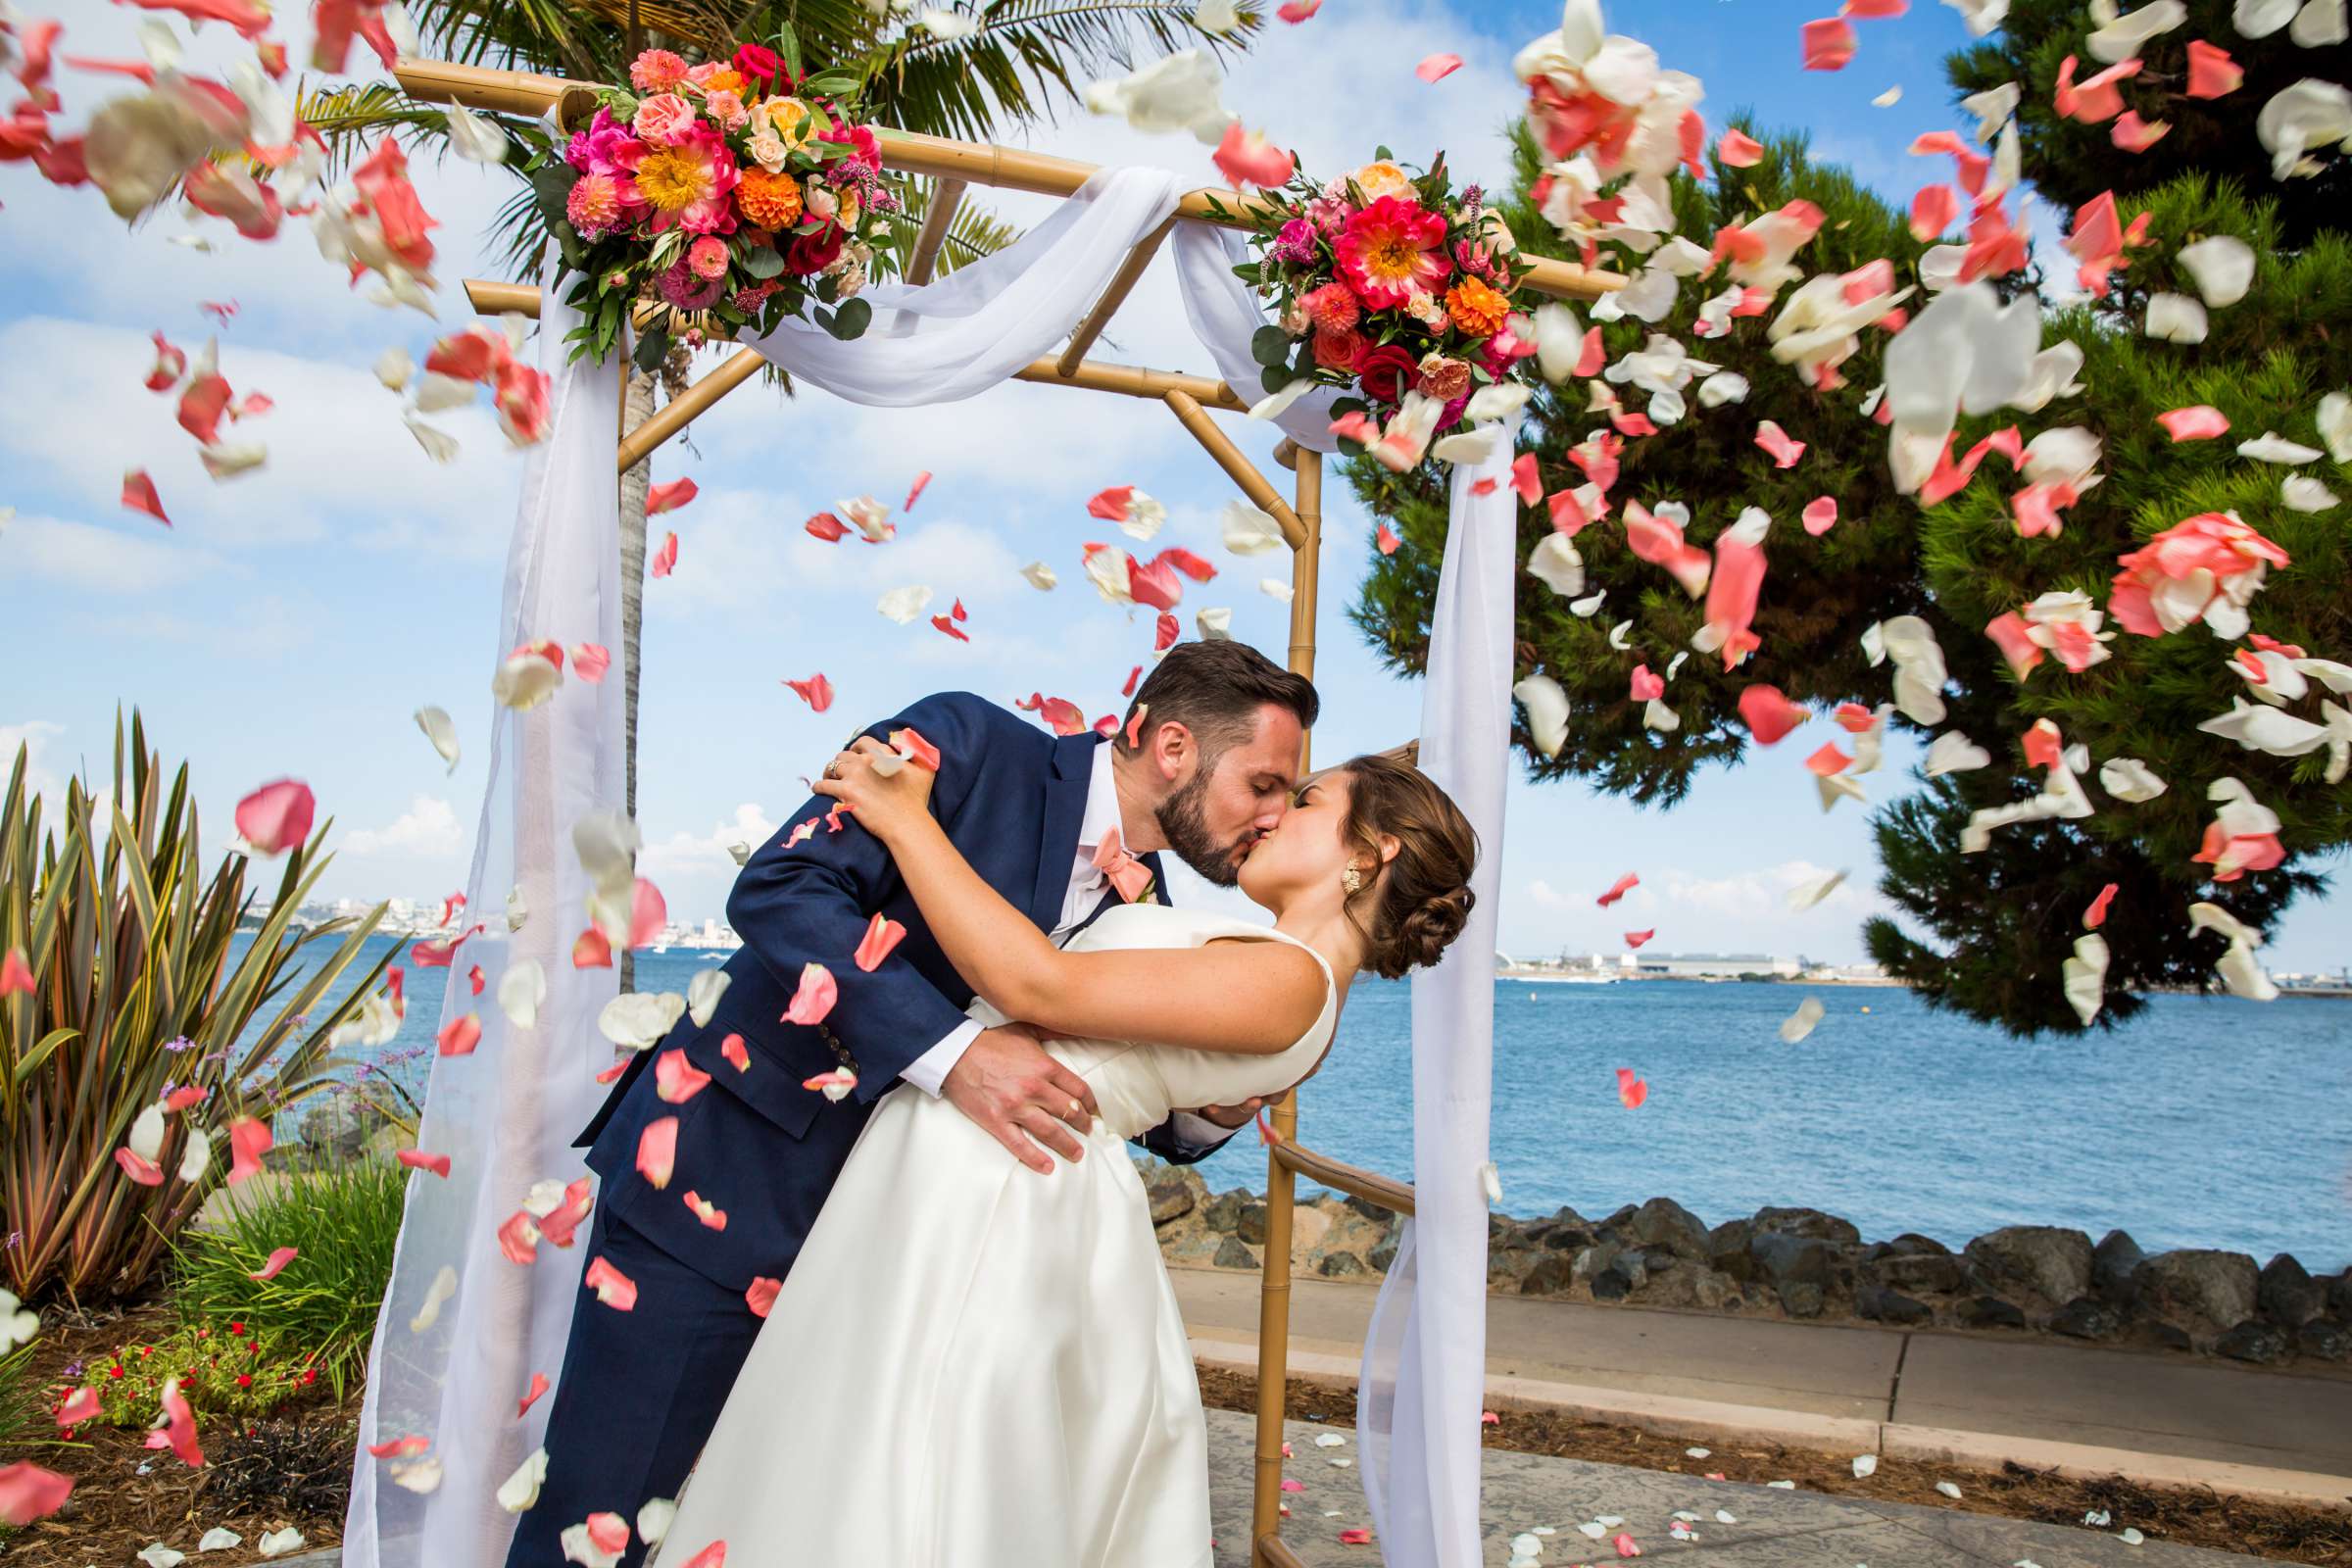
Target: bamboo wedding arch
<point>955,166</point>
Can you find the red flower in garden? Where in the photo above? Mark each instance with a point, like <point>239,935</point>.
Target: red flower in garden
<point>310,1375</point>
<point>244,1380</point>
<point>236,1328</point>
<point>115,1371</point>
<point>1392,250</point>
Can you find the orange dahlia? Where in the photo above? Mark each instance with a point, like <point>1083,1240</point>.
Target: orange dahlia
<point>1476,307</point>
<point>771,201</point>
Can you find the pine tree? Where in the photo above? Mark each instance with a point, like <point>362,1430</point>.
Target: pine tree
<point>1996,923</point>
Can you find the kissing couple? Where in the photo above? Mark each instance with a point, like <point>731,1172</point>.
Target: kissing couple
<point>897,1344</point>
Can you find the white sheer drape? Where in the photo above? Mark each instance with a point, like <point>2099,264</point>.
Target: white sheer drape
<point>1425,1353</point>
<point>507,1114</point>
<point>946,341</point>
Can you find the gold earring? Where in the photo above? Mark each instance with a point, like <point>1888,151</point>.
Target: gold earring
<point>1352,880</point>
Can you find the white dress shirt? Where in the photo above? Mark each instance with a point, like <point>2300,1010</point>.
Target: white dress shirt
<point>929,1071</point>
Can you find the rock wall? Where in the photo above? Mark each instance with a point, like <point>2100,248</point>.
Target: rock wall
<point>1802,1264</point>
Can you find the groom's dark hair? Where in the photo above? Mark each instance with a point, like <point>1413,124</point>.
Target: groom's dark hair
<point>1215,688</point>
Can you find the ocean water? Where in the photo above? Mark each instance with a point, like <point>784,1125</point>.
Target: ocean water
<point>2205,1122</point>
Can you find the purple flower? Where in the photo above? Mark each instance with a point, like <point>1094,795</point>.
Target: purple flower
<point>184,1043</point>
<point>1295,242</point>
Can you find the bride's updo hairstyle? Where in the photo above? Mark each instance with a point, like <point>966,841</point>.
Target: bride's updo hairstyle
<point>1417,907</point>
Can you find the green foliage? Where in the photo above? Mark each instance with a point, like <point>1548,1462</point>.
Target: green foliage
<point>143,978</point>
<point>345,1220</point>
<point>224,1368</point>
<point>23,1415</point>
<point>1986,931</point>
<point>2071,162</point>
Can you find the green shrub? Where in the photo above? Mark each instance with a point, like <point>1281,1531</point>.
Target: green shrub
<point>23,1414</point>
<point>232,1369</point>
<point>323,1304</point>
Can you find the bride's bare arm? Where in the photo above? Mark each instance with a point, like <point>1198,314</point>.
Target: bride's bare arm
<point>1243,997</point>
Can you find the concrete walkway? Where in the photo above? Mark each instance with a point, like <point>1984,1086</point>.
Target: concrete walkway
<point>1970,1399</point>
<point>1770,1527</point>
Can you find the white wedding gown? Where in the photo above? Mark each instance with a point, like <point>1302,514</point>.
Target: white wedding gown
<point>973,1365</point>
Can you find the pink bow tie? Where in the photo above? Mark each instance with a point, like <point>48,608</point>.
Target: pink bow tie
<point>1131,877</point>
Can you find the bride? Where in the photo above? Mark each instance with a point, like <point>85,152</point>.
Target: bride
<point>976,1366</point>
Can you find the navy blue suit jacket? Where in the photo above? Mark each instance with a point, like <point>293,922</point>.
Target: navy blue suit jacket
<point>756,1144</point>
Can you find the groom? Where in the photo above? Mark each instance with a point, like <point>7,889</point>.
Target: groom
<point>1219,730</point>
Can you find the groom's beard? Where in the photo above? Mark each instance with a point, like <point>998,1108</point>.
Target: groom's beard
<point>1184,822</point>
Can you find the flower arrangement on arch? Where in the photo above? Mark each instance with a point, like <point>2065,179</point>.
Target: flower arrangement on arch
<point>1396,288</point>
<point>741,188</point>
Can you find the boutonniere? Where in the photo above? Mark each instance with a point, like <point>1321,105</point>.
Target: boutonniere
<point>1131,877</point>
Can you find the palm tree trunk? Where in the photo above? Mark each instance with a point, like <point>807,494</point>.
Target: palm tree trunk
<point>637,407</point>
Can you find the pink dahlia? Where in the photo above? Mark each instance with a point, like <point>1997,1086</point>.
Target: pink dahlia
<point>657,71</point>
<point>1392,250</point>
<point>1333,308</point>
<point>681,288</point>
<point>594,206</point>
<point>707,257</point>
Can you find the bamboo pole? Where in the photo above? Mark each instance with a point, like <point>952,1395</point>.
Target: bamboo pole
<point>1115,292</point>
<point>1394,1196</point>
<point>976,163</point>
<point>1133,381</point>
<point>946,196</point>
<point>1274,1289</point>
<point>1236,468</point>
<point>679,412</point>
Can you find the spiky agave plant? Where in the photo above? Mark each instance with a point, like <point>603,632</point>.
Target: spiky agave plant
<point>143,980</point>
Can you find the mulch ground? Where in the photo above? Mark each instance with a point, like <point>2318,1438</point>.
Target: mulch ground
<point>2184,1516</point>
<point>258,1476</point>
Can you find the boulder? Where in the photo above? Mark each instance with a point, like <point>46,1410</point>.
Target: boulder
<point>1801,1299</point>
<point>1928,1273</point>
<point>2040,1260</point>
<point>1223,1212</point>
<point>1727,1249</point>
<point>2162,1336</point>
<point>1988,1312</point>
<point>1609,1257</point>
<point>1614,1282</point>
<point>1174,1194</point>
<point>2087,1317</point>
<point>1783,1259</point>
<point>1879,1304</point>
<point>1365,1209</point>
<point>2325,1340</point>
<point>1381,1257</point>
<point>1553,1274</point>
<point>2263,1343</point>
<point>1662,1224</point>
<point>1231,1253</point>
<point>1807,1222</point>
<point>1680,1283</point>
<point>1913,1245</point>
<point>2113,1264</point>
<point>1341,1266</point>
<point>1251,1224</point>
<point>2340,1296</point>
<point>2201,1291</point>
<point>2286,1294</point>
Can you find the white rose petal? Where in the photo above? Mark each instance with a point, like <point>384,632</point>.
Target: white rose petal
<point>2309,115</point>
<point>2222,265</point>
<point>393,367</point>
<point>219,1538</point>
<point>1215,626</point>
<point>637,1020</point>
<point>520,1490</point>
<point>147,1132</point>
<point>2302,493</point>
<point>2319,25</point>
<point>159,1555</point>
<point>1249,530</point>
<point>1555,563</point>
<point>278,1542</point>
<point>1864,1465</point>
<point>2175,319</point>
<point>1795,1028</point>
<point>1547,704</point>
<point>2336,425</point>
<point>903,605</point>
<point>1276,589</point>
<point>702,993</point>
<point>520,991</point>
<point>2271,447</point>
<point>436,1295</point>
<point>1891,97</point>
<point>654,1519</point>
<point>1041,576</point>
<point>442,732</point>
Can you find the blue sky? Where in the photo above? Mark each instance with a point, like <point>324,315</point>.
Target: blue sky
<point>292,619</point>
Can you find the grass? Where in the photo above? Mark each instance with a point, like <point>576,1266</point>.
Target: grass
<point>21,1413</point>
<point>343,1221</point>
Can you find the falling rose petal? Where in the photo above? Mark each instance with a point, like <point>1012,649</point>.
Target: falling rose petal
<point>1437,67</point>
<point>1355,1538</point>
<point>419,1159</point>
<point>460,1036</point>
<point>881,935</point>
<point>1890,98</point>
<point>143,1171</point>
<point>529,676</point>
<point>1247,158</point>
<point>2084,977</point>
<point>1933,209</point>
<point>817,691</point>
<point>1634,939</point>
<point>648,913</point>
<point>904,605</point>
<point>591,660</point>
<point>2211,74</point>
<point>523,988</point>
<point>738,1059</point>
<point>1386,538</point>
<point>1632,1092</point>
<point>669,497</point>
<point>677,1080</point>
<point>2096,915</point>
<point>28,1492</point>
<point>1739,150</point>
<point>1041,576</point>
<point>147,1133</point>
<point>442,732</point>
<point>279,1258</point>
<point>762,1295</point>
<point>837,1085</point>
<point>16,975</point>
<point>812,1000</point>
<point>909,744</point>
<point>826,526</point>
<point>657,1150</point>
<point>2197,422</point>
<point>1619,889</point>
<point>1770,716</point>
<point>473,979</point>
<point>1829,43</point>
<point>2222,265</point>
<point>248,1141</point>
<point>176,1429</point>
<point>1547,704</point>
<point>1820,516</point>
<point>277,818</point>
<point>1806,896</point>
<point>665,559</point>
<point>1799,1023</point>
<point>947,625</point>
<point>1784,450</point>
<point>611,1286</point>
<point>82,1405</point>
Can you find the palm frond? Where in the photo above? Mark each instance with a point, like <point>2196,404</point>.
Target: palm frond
<point>1026,59</point>
<point>973,232</point>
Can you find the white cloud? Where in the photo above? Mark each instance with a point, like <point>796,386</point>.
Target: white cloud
<point>1759,895</point>
<point>427,830</point>
<point>33,737</point>
<point>1545,894</point>
<point>684,854</point>
<point>134,556</point>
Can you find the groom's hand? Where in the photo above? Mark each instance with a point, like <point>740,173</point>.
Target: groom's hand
<point>1234,1117</point>
<point>1020,1095</point>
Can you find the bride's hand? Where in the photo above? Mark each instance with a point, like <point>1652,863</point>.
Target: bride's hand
<point>885,791</point>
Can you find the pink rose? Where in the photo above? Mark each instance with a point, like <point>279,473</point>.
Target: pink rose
<point>666,119</point>
<point>707,257</point>
<point>700,75</point>
<point>727,108</point>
